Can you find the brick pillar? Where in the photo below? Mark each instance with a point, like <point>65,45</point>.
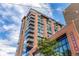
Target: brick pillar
<point>35,36</point>
<point>36,31</point>
<point>59,28</point>
<point>73,39</point>
<point>45,27</point>
<point>20,44</point>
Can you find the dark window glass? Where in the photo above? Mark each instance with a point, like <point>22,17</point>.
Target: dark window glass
<point>62,47</point>
<point>63,41</point>
<point>60,43</point>
<point>68,46</point>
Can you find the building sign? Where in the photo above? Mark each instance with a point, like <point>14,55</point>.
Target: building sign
<point>74,42</point>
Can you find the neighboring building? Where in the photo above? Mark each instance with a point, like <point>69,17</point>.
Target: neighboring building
<point>35,26</point>
<point>67,41</point>
<point>72,14</point>
<point>68,37</point>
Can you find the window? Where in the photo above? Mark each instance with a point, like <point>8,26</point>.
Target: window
<point>63,41</point>
<point>65,47</point>
<point>49,30</point>
<point>68,46</point>
<point>56,27</point>
<point>57,50</point>
<point>60,43</point>
<point>57,45</point>
<point>62,47</point>
<point>40,20</point>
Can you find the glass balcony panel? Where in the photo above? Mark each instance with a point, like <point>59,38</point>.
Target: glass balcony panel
<point>29,35</point>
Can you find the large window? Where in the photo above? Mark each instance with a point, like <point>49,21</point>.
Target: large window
<point>62,47</point>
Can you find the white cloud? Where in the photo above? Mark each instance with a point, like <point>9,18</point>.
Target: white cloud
<point>16,12</point>
<point>8,46</point>
<point>33,4</point>
<point>13,30</point>
<point>6,27</point>
<point>21,1</point>
<point>47,8</point>
<point>5,48</point>
<point>59,9</point>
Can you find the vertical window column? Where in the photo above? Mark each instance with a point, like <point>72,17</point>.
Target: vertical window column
<point>59,28</point>
<point>52,26</point>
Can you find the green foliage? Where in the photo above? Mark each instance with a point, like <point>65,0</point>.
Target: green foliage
<point>46,46</point>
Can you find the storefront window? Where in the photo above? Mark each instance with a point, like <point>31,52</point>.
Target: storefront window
<point>62,47</point>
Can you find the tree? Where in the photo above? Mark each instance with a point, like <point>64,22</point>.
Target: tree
<point>46,46</point>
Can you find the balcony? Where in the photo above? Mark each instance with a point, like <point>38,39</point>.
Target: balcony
<point>30,39</point>
<point>29,31</point>
<point>29,35</point>
<point>29,44</point>
<point>31,26</point>
<point>31,20</point>
<point>49,31</point>
<point>31,15</point>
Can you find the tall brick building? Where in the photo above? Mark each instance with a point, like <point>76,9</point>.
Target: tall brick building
<point>35,25</point>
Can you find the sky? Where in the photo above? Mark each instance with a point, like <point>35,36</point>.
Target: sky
<point>10,22</point>
<point>58,11</point>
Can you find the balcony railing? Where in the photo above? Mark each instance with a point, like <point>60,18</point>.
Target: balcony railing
<point>29,31</point>
<point>32,16</point>
<point>29,45</point>
<point>31,26</point>
<point>30,39</point>
<point>29,35</point>
<point>31,20</point>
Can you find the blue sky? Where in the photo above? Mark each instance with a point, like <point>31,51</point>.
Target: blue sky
<point>10,22</point>
<point>58,11</point>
